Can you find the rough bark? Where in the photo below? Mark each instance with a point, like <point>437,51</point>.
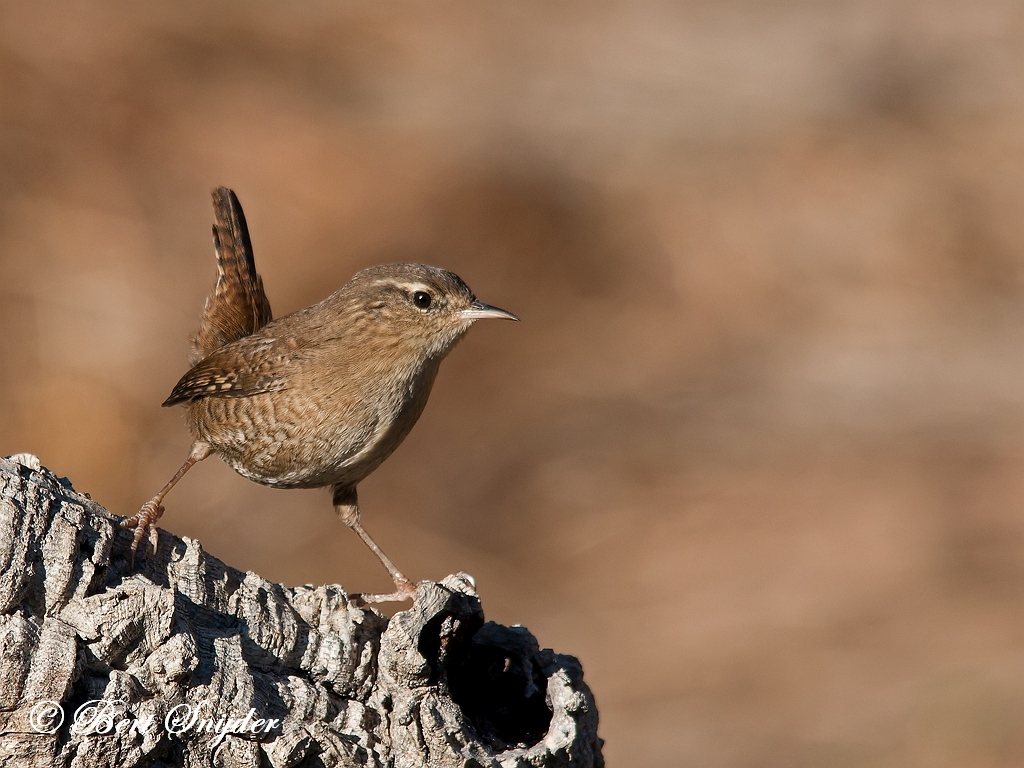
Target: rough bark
<point>182,633</point>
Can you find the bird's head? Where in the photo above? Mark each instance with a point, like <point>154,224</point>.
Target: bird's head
<point>417,306</point>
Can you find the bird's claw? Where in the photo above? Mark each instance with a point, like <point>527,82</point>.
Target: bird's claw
<point>144,523</point>
<point>404,590</point>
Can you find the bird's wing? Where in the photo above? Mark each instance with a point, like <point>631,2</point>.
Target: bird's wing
<point>249,366</point>
<point>238,307</point>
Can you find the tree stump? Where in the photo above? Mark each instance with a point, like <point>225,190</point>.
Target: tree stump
<point>185,661</point>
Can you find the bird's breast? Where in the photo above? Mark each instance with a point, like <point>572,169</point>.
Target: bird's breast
<point>316,432</point>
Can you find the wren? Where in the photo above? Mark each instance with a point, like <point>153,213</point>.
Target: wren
<point>320,397</point>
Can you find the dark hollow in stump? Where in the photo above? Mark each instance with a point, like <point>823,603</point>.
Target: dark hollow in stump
<point>188,662</point>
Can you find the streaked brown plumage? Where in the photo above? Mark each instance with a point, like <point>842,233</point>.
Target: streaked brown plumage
<point>320,397</point>
<point>238,306</point>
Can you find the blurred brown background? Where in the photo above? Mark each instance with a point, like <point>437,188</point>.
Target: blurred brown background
<point>755,453</point>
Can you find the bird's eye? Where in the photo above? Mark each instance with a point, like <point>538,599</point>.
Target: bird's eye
<point>421,299</point>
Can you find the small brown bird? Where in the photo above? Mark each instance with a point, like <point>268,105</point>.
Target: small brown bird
<point>320,397</point>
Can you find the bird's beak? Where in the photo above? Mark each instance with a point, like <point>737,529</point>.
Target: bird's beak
<point>478,310</point>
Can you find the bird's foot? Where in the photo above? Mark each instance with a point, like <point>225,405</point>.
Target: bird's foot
<point>404,590</point>
<point>144,522</point>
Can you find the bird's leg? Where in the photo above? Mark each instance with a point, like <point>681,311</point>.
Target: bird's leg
<point>347,507</point>
<point>144,521</point>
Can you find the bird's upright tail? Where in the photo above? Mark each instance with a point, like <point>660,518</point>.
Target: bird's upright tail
<point>238,306</point>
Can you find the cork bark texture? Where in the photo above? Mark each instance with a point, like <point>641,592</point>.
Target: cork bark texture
<point>185,661</point>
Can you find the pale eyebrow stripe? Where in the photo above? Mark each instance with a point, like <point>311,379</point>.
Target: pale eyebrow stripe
<point>411,287</point>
